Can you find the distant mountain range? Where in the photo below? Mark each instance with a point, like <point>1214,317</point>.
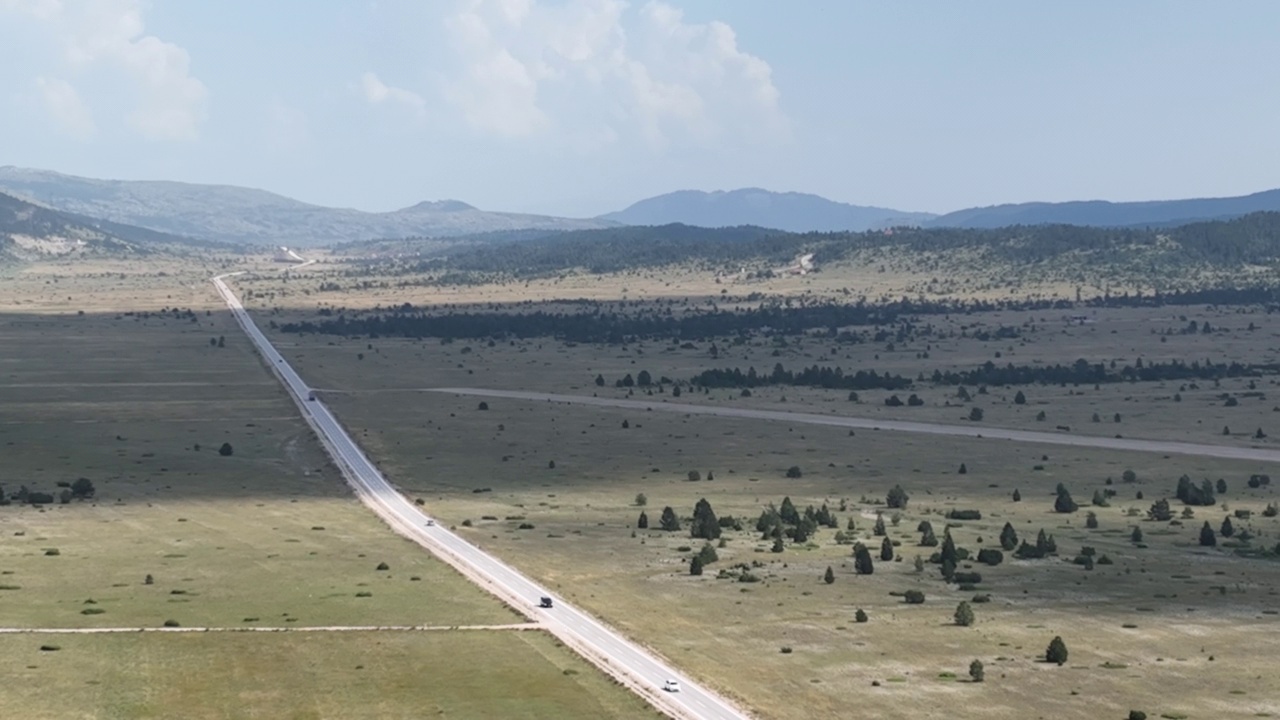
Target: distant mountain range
<point>791,211</point>
<point>241,215</point>
<point>1099,213</point>
<point>231,214</point>
<point>798,212</point>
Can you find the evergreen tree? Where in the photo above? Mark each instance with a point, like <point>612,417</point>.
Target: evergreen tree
<point>949,549</point>
<point>919,564</point>
<point>964,614</point>
<point>599,381</point>
<point>1160,511</point>
<point>1207,538</point>
<point>1222,486</point>
<point>1091,521</point>
<point>928,539</point>
<point>1063,503</point>
<point>1017,496</point>
<point>886,550</point>
<point>976,672</point>
<point>705,524</point>
<point>1019,399</point>
<point>669,521</point>
<point>643,522</point>
<point>830,576</point>
<point>862,560</point>
<point>708,554</point>
<point>1227,528</point>
<point>778,546</point>
<point>695,566</point>
<point>1136,535</point>
<point>1100,499</point>
<point>1057,652</point>
<point>897,498</point>
<point>788,512</point>
<point>878,529</point>
<point>860,616</point>
<point>1008,537</point>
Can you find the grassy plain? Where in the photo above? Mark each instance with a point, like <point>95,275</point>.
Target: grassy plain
<point>305,676</point>
<point>1169,628</point>
<point>267,537</point>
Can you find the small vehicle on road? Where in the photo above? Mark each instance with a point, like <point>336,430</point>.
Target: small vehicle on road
<point>311,396</point>
<point>431,523</point>
<point>671,686</point>
<point>545,602</point>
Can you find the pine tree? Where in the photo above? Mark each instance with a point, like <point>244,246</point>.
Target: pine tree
<point>949,549</point>
<point>1091,521</point>
<point>1017,496</point>
<point>878,530</point>
<point>975,671</point>
<point>695,566</point>
<point>1136,535</point>
<point>1100,499</point>
<point>778,546</point>
<point>1227,528</point>
<point>830,576</point>
<point>928,539</point>
<point>643,522</point>
<point>860,616</point>
<point>964,614</point>
<point>1008,537</point>
<point>897,498</point>
<point>1057,652</point>
<point>1063,503</point>
<point>1019,399</point>
<point>886,550</point>
<point>919,564</point>
<point>669,522</point>
<point>788,512</point>
<point>1207,538</point>
<point>705,524</point>
<point>862,563</point>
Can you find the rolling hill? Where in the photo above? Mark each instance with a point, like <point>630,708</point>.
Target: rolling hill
<point>790,211</point>
<point>31,232</point>
<point>246,216</point>
<point>1100,213</point>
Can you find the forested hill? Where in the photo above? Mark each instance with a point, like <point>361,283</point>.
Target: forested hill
<point>1249,240</point>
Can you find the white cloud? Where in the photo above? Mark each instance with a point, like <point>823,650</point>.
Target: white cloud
<point>168,102</point>
<point>594,67</point>
<point>63,103</point>
<point>378,92</point>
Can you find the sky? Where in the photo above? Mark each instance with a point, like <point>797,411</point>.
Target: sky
<point>580,107</point>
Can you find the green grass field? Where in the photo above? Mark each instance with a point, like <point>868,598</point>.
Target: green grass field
<point>266,537</point>
<point>472,675</point>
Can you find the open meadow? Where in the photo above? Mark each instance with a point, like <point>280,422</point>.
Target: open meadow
<point>1153,620</point>
<point>210,504</point>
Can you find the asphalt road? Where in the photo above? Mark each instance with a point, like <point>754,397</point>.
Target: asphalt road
<point>974,430</point>
<point>636,667</point>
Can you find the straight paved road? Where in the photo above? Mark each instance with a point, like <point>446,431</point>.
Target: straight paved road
<point>634,666</point>
<point>971,431</point>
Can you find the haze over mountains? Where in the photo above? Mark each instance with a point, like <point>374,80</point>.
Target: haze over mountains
<point>243,215</point>
<point>30,232</point>
<point>231,214</point>
<point>790,211</point>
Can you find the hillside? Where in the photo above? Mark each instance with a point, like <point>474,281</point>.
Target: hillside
<point>30,232</point>
<point>246,216</point>
<point>1100,213</point>
<point>790,211</point>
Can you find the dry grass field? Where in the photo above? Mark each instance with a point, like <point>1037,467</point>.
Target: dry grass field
<point>1167,627</point>
<point>177,533</point>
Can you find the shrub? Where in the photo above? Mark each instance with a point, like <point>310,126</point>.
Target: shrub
<point>794,472</point>
<point>483,405</point>
<point>669,522</point>
<point>1137,715</point>
<point>172,623</point>
<point>967,578</point>
<point>976,414</point>
<point>860,616</point>
<point>226,450</point>
<point>913,597</point>
<point>964,515</point>
<point>964,614</point>
<point>1057,651</point>
<point>897,498</point>
<point>829,576</point>
<point>990,556</point>
<point>383,566</point>
<point>975,671</point>
<point>695,566</point>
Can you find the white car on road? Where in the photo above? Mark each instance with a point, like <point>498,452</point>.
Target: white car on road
<point>671,686</point>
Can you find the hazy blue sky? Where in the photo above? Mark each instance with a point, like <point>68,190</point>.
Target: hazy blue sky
<point>583,106</point>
